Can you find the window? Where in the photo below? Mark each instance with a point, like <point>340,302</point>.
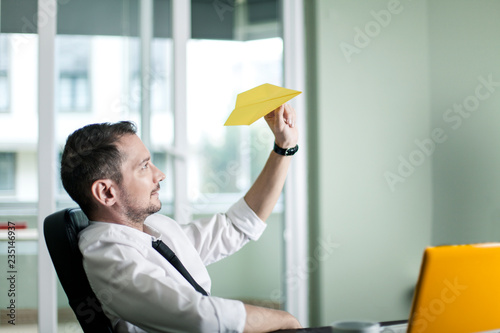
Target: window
<point>237,154</point>
<point>225,160</point>
<point>165,165</point>
<point>98,79</point>
<point>7,172</point>
<point>4,77</point>
<point>74,78</point>
<point>158,74</point>
<point>161,61</point>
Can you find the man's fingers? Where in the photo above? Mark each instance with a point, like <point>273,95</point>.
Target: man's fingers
<point>280,112</point>
<point>285,113</point>
<point>289,115</point>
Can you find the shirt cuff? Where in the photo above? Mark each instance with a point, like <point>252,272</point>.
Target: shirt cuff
<point>245,219</point>
<point>231,314</point>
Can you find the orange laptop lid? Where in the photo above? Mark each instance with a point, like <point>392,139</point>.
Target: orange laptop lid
<point>458,290</point>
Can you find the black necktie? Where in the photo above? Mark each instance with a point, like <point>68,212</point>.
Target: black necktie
<point>165,251</point>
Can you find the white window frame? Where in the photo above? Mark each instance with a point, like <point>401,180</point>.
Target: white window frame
<point>296,275</point>
<point>296,230</point>
<point>47,290</point>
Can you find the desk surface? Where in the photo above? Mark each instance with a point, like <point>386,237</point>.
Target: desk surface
<point>328,329</point>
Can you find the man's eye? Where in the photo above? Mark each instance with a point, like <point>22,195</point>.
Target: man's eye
<point>145,166</point>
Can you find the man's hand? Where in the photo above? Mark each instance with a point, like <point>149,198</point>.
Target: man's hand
<point>266,190</point>
<point>282,124</point>
<point>266,320</point>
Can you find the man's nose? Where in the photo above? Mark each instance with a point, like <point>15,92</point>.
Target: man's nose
<point>159,176</point>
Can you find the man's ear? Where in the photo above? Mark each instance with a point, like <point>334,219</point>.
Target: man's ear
<point>104,191</point>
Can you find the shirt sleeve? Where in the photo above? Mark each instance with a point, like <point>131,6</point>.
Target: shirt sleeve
<point>140,292</point>
<point>223,234</point>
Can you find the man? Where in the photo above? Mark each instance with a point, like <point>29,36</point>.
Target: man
<point>108,171</point>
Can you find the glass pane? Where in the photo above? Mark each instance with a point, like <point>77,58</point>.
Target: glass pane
<point>99,80</point>
<point>18,181</point>
<point>162,117</point>
<point>4,92</point>
<point>7,172</point>
<point>74,73</point>
<point>226,160</point>
<point>93,87</point>
<point>92,80</point>
<point>4,71</point>
<point>217,72</point>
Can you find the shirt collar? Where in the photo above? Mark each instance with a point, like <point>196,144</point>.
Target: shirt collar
<point>150,231</point>
<point>153,232</point>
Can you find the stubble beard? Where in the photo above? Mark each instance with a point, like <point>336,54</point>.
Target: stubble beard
<point>137,215</point>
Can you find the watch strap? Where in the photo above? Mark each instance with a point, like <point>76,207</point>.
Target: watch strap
<point>285,152</point>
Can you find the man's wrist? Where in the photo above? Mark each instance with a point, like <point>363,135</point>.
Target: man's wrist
<point>285,151</point>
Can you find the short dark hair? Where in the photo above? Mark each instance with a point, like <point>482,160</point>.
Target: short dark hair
<point>91,153</point>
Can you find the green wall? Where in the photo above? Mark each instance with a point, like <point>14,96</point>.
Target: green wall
<point>405,144</point>
<point>255,272</point>
<point>465,52</point>
<point>371,92</point>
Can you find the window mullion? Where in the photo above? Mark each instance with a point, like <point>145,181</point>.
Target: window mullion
<point>181,34</point>
<point>296,253</point>
<point>146,31</point>
<point>47,292</point>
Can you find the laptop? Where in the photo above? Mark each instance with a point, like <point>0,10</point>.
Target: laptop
<point>458,290</point>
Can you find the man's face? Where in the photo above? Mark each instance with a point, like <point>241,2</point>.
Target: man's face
<point>139,190</point>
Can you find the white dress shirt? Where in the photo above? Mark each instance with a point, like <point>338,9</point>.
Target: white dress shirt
<point>140,291</point>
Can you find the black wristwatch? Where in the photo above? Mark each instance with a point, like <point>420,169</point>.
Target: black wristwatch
<point>285,152</point>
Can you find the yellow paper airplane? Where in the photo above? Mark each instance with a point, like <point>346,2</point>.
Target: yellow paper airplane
<point>257,102</point>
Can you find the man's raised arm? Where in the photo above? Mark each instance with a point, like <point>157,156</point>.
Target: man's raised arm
<point>266,190</point>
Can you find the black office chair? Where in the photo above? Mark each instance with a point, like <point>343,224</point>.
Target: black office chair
<point>61,230</point>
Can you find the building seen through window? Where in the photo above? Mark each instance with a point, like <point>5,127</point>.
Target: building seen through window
<point>7,172</point>
<point>158,74</point>
<point>4,77</point>
<point>227,158</point>
<point>74,76</point>
<point>98,79</point>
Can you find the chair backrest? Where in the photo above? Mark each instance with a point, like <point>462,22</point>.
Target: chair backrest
<point>61,236</point>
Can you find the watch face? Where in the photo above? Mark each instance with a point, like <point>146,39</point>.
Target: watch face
<point>285,152</point>
<point>291,151</point>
